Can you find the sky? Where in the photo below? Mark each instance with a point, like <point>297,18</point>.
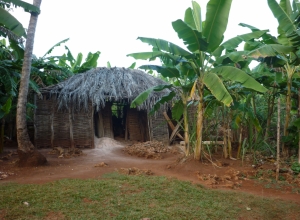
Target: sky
<point>112,27</point>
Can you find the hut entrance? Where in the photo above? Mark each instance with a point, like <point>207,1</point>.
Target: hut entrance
<point>117,120</point>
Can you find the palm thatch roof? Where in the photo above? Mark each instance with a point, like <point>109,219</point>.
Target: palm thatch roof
<point>106,84</point>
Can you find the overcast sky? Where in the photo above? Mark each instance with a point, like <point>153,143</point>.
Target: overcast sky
<point>112,27</point>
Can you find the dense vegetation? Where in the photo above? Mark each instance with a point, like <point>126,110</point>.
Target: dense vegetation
<point>234,103</point>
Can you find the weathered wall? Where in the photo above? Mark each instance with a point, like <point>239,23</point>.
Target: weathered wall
<point>63,128</point>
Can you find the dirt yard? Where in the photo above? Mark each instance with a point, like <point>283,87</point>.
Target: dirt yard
<point>152,158</point>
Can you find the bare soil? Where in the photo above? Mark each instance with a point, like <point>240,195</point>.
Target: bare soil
<point>151,158</point>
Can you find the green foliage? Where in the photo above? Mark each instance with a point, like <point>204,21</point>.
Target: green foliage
<point>167,72</point>
<point>165,99</point>
<point>286,24</point>
<point>144,95</point>
<point>193,39</point>
<point>217,88</point>
<point>271,50</point>
<point>76,65</point>
<point>56,45</point>
<point>237,75</point>
<point>295,168</point>
<point>217,13</point>
<point>11,23</point>
<point>26,6</point>
<point>166,46</point>
<point>177,110</point>
<point>132,66</point>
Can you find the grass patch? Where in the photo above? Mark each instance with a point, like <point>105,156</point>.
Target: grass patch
<point>117,196</point>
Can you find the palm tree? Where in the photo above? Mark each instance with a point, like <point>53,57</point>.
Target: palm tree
<point>28,156</point>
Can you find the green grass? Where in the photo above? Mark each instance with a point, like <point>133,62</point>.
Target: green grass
<point>117,196</point>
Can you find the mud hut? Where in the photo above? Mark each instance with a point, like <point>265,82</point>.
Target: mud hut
<point>97,103</point>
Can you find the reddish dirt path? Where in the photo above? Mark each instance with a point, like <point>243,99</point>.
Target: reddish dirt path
<point>83,167</point>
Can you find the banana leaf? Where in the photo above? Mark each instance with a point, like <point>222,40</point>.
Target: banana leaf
<point>11,23</point>
<point>237,75</point>
<point>233,43</point>
<point>26,6</point>
<point>217,88</point>
<point>270,50</point>
<point>217,13</point>
<point>193,39</point>
<point>144,95</point>
<point>164,71</point>
<point>284,20</point>
<point>193,17</point>
<point>163,45</point>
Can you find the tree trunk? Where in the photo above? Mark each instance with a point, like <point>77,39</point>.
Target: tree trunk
<point>254,111</point>
<point>299,128</point>
<point>271,101</point>
<point>186,127</point>
<point>240,142</point>
<point>287,112</point>
<point>28,156</point>
<point>278,141</point>
<point>198,147</point>
<point>2,135</point>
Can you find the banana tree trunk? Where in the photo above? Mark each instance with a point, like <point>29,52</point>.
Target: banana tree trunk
<point>278,140</point>
<point>299,128</point>
<point>225,135</point>
<point>27,155</point>
<point>287,112</point>
<point>240,142</point>
<point>186,127</point>
<point>229,133</point>
<point>254,111</point>
<point>198,147</point>
<point>271,101</point>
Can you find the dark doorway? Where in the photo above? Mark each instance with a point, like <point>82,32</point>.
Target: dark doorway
<point>119,119</point>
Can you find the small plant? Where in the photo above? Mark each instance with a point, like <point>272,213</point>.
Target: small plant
<point>295,168</point>
<point>259,173</point>
<point>282,178</point>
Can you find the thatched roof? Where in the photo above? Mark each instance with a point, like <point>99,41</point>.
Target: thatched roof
<point>106,84</point>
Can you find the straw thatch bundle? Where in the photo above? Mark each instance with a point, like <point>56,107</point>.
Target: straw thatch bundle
<point>106,84</point>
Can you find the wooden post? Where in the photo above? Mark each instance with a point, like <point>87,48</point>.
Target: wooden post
<point>175,131</point>
<point>225,140</point>
<point>172,126</point>
<point>240,143</point>
<point>229,143</point>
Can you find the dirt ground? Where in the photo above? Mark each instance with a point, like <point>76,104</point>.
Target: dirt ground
<point>152,158</point>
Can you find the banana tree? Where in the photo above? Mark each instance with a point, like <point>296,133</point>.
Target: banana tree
<point>283,54</point>
<point>8,23</point>
<point>76,65</point>
<point>203,41</point>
